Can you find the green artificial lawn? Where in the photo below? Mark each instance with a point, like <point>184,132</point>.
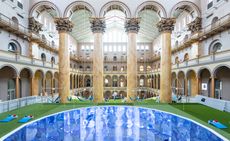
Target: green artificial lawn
<point>196,112</point>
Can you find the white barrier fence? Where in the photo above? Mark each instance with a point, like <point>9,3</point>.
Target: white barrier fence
<point>10,105</point>
<point>218,104</point>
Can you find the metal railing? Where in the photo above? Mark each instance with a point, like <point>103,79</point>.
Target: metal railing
<point>10,105</point>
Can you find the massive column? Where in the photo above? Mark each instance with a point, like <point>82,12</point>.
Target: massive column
<point>98,28</point>
<point>166,26</point>
<point>132,27</point>
<point>64,26</point>
<point>17,87</point>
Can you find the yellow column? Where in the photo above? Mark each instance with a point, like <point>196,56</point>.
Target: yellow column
<point>98,28</point>
<point>17,89</point>
<point>32,90</point>
<point>52,85</point>
<point>132,27</point>
<point>165,27</point>
<point>213,87</point>
<point>64,26</point>
<point>186,87</point>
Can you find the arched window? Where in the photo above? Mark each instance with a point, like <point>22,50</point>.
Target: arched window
<point>114,58</point>
<point>186,57</point>
<point>185,37</point>
<point>215,47</point>
<point>88,68</point>
<point>52,60</point>
<point>141,68</point>
<point>105,58</point>
<point>177,60</point>
<point>214,21</point>
<point>114,68</point>
<point>141,82</point>
<point>15,21</point>
<point>43,37</point>
<point>12,47</point>
<point>43,57</point>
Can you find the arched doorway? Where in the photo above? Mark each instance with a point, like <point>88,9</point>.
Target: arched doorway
<point>192,83</point>
<point>205,82</point>
<point>25,82</point>
<point>181,83</point>
<point>222,83</point>
<point>7,83</point>
<point>115,81</point>
<point>48,83</point>
<point>38,83</point>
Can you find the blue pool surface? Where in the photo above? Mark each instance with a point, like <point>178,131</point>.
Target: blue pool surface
<point>113,123</point>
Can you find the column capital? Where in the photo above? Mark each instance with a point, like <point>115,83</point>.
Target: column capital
<point>63,24</point>
<point>196,25</point>
<point>166,25</point>
<point>97,25</point>
<point>132,25</point>
<point>34,25</point>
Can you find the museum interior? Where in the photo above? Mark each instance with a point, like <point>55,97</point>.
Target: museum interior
<point>102,51</point>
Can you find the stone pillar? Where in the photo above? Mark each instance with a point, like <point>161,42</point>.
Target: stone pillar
<point>166,26</point>
<point>64,26</point>
<point>44,86</point>
<point>212,87</point>
<point>17,88</point>
<point>52,86</point>
<point>198,85</point>
<point>98,28</point>
<point>186,86</point>
<point>32,91</point>
<point>132,28</point>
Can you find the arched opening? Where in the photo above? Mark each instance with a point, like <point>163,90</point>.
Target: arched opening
<point>14,47</point>
<point>177,60</point>
<point>7,83</point>
<point>48,83</point>
<point>122,81</point>
<point>141,68</point>
<point>186,57</point>
<point>142,81</point>
<point>87,81</point>
<point>215,47</point>
<point>107,81</point>
<point>115,81</point>
<point>25,82</point>
<point>205,85</point>
<point>45,13</point>
<point>222,83</point>
<point>43,57</point>
<point>192,83</point>
<point>38,83</point>
<point>214,22</point>
<point>52,60</point>
<point>15,22</point>
<point>107,95</point>
<point>114,58</point>
<point>181,83</point>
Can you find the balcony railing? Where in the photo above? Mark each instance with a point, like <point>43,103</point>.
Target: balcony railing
<point>208,59</point>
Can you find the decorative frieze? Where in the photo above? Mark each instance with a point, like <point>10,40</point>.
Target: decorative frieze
<point>132,25</point>
<point>166,24</point>
<point>98,25</point>
<point>34,25</point>
<point>196,25</point>
<point>63,24</point>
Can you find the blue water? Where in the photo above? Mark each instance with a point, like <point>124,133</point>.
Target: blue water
<point>113,123</point>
